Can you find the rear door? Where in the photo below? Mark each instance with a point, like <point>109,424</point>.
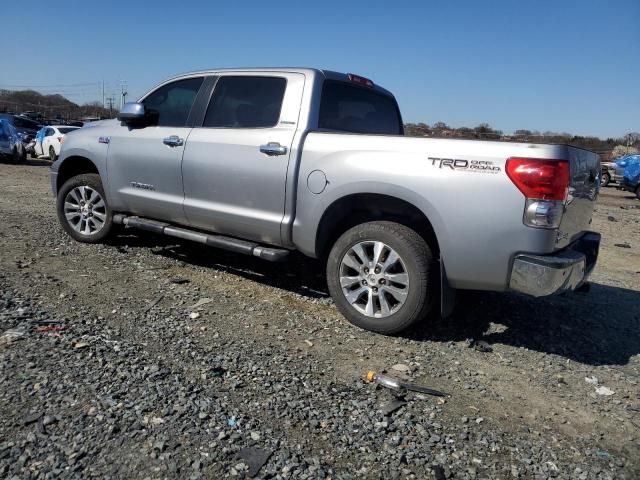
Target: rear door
<point>144,163</point>
<point>235,165</point>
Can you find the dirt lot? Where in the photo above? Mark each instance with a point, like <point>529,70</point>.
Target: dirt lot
<point>108,369</point>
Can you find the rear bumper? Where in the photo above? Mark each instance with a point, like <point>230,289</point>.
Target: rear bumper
<point>567,269</point>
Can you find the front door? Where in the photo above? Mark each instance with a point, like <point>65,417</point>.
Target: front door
<point>235,165</point>
<point>143,164</point>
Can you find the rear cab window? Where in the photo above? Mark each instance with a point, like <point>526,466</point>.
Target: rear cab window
<point>345,107</point>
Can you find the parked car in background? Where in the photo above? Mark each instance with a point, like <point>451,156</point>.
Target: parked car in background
<point>610,173</point>
<point>25,128</point>
<point>630,166</point>
<point>50,138</point>
<point>35,116</point>
<point>10,144</point>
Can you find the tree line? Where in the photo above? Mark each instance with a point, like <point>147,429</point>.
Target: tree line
<point>50,106</point>
<point>609,148</point>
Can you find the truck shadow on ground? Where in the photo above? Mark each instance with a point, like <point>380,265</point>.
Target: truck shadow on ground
<point>600,327</point>
<point>36,162</point>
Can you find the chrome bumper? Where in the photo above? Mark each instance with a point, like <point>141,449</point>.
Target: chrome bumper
<point>542,275</point>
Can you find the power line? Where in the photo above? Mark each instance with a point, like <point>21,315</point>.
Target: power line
<point>51,85</point>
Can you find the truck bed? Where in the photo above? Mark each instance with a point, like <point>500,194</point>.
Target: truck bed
<point>461,186</point>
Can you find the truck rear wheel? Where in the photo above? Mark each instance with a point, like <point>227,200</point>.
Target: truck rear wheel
<point>380,276</point>
<point>83,210</point>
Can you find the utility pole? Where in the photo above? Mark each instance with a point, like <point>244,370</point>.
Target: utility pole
<point>111,101</point>
<point>103,104</point>
<point>123,94</point>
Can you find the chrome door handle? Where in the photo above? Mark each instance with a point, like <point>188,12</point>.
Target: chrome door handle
<point>273,148</point>
<point>173,141</point>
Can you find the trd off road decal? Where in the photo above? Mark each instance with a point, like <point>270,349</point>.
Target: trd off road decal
<point>480,166</point>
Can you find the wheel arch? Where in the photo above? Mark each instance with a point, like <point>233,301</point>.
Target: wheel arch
<point>72,166</point>
<point>353,209</point>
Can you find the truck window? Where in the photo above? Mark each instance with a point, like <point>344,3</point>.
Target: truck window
<point>171,103</point>
<point>246,102</point>
<point>349,108</point>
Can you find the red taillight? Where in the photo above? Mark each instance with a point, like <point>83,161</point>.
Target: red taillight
<point>540,178</point>
<point>60,139</point>
<point>365,82</point>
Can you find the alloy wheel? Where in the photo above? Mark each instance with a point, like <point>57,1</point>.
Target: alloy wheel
<point>85,210</point>
<point>374,279</point>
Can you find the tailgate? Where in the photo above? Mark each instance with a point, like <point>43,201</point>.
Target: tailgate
<point>583,193</point>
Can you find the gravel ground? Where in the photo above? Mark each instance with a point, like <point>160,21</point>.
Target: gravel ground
<point>147,358</point>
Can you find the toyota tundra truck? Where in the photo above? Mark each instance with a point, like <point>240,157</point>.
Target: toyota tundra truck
<point>268,161</point>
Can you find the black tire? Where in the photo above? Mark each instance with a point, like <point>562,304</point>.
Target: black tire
<point>638,192</point>
<point>15,156</point>
<point>52,154</point>
<point>606,179</point>
<point>91,180</point>
<point>418,263</point>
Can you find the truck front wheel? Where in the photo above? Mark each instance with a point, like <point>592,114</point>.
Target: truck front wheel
<point>83,210</point>
<point>380,275</point>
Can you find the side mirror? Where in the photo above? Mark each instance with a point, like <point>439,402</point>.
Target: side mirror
<point>131,111</point>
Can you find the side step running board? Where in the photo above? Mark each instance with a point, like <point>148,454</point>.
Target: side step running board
<point>218,241</point>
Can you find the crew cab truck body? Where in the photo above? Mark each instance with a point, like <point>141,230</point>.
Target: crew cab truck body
<point>266,161</point>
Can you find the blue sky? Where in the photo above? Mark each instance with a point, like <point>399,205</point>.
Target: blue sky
<point>547,65</point>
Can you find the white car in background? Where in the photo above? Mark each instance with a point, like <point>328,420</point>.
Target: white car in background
<point>49,142</point>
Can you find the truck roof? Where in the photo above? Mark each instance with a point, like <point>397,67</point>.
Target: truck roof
<point>309,72</point>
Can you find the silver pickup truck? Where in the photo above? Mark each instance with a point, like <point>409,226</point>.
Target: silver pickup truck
<point>267,161</point>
